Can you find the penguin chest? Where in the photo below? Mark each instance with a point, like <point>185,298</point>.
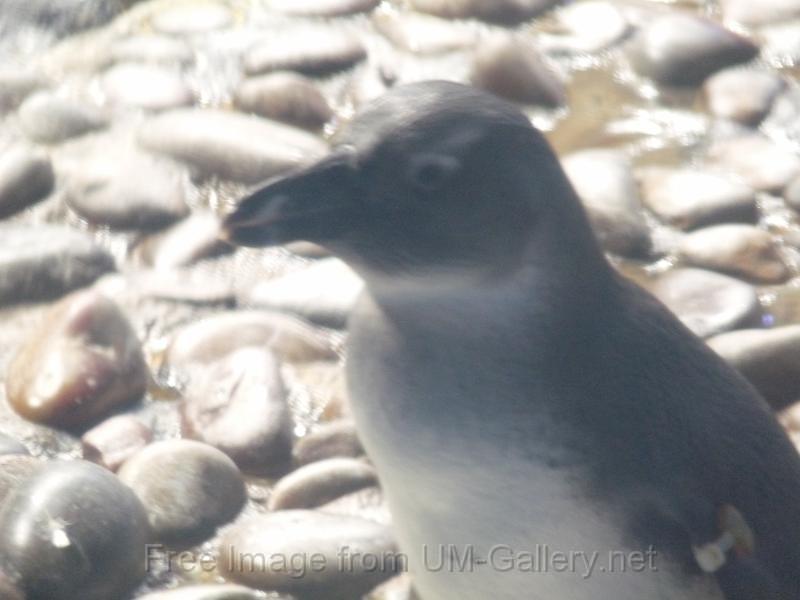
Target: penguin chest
<point>487,499</point>
<point>474,526</point>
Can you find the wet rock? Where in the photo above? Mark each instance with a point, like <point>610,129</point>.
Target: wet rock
<point>239,406</point>
<point>115,440</point>
<point>8,445</point>
<point>740,250</point>
<point>329,440</point>
<point>48,119</point>
<point>781,43</point>
<point>59,18</point>
<point>397,588</point>
<point>781,306</point>
<point>14,470</point>
<point>769,358</point>
<point>367,503</point>
<point>323,8</point>
<point>127,189</point>
<point>145,86</point>
<point>81,362</point>
<point>319,538</point>
<point>16,85</point>
<point>744,96</point>
<point>680,49</point>
<point>760,163</point>
<point>690,198</point>
<point>187,242</point>
<point>307,249</point>
<point>210,339</point>
<point>792,194</point>
<point>312,51</point>
<point>588,27</point>
<point>320,482</point>
<point>763,12</point>
<point>326,386</point>
<point>152,48</point>
<point>187,488</point>
<point>190,286</point>
<point>285,97</point>
<point>604,181</point>
<point>46,261</point>
<point>495,11</point>
<point>708,303</point>
<point>424,34</point>
<point>205,592</point>
<point>323,293</point>
<point>512,68</point>
<point>371,82</point>
<point>192,18</point>
<point>26,177</point>
<point>73,530</point>
<point>229,145</point>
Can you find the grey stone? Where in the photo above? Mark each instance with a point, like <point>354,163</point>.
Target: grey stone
<point>320,482</point>
<point>760,163</point>
<point>14,470</point>
<point>26,177</point>
<point>311,51</point>
<point>187,242</point>
<point>192,18</point>
<point>792,194</point>
<point>47,118</point>
<point>323,293</point>
<point>495,11</point>
<point>210,339</point>
<point>46,261</point>
<point>588,27</point>
<point>323,8</point>
<point>512,68</point>
<point>690,198</point>
<point>768,358</point>
<point>9,445</point>
<point>16,84</point>
<point>115,440</point>
<point>239,405</point>
<point>335,439</point>
<point>708,303</point>
<point>145,86</point>
<point>762,12</point>
<point>205,592</point>
<point>742,95</point>
<point>740,250</point>
<point>230,145</point>
<point>681,49</point>
<point>424,34</point>
<point>321,539</point>
<point>604,181</point>
<point>286,97</point>
<point>127,189</point>
<point>187,488</point>
<point>152,48</point>
<point>73,530</point>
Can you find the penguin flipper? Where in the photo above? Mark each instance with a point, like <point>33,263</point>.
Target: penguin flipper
<point>745,579</point>
<point>732,560</point>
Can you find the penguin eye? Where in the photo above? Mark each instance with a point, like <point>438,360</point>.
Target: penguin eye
<point>431,171</point>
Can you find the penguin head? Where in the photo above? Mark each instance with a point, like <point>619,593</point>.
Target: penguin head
<point>432,178</point>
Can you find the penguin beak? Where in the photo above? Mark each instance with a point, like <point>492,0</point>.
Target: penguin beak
<point>315,203</point>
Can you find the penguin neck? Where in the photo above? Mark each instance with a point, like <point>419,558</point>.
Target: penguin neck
<point>560,277</point>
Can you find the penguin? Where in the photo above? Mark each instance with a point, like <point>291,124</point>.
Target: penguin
<point>543,428</point>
